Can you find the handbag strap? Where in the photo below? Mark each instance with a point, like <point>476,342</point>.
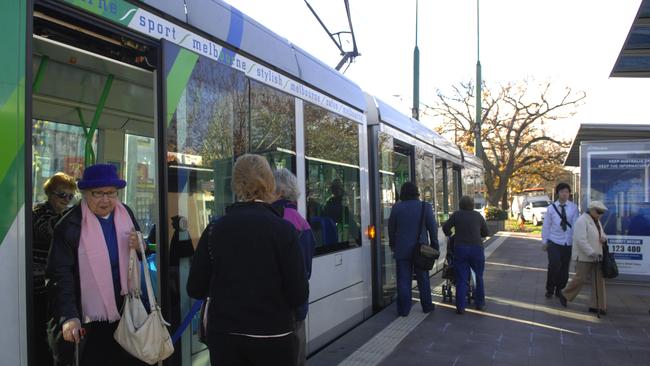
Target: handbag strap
<point>562,218</point>
<point>147,276</point>
<point>134,274</point>
<point>417,238</point>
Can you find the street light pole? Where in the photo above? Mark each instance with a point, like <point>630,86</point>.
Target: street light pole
<point>478,148</point>
<point>416,70</point>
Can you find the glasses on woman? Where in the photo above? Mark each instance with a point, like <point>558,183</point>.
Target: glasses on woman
<point>64,195</point>
<point>100,194</point>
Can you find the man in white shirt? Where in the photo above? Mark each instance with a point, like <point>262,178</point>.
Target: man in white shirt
<point>557,236</point>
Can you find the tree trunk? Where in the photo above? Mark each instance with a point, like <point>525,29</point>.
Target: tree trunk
<point>504,201</point>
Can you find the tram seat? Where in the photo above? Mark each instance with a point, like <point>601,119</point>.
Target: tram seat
<point>325,230</point>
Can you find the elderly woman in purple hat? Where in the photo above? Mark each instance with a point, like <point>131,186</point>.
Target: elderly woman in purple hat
<point>87,269</point>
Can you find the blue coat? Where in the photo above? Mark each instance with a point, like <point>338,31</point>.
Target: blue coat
<point>403,225</point>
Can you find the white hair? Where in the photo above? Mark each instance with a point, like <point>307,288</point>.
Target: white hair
<point>286,185</point>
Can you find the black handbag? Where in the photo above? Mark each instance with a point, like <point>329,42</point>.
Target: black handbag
<point>424,256</point>
<point>610,268</point>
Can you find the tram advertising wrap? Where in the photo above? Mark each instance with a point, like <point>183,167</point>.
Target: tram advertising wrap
<point>619,176</point>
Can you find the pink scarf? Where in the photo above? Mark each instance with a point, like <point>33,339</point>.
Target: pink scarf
<point>95,275</point>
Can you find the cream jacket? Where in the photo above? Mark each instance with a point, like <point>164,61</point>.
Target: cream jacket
<point>585,239</point>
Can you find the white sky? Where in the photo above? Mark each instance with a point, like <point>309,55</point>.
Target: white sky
<point>570,42</point>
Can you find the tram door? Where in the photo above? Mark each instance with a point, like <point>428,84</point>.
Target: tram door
<point>395,163</point>
<point>93,101</point>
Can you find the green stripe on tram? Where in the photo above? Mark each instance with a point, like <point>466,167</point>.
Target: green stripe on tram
<point>177,80</point>
<point>118,11</point>
<point>13,16</point>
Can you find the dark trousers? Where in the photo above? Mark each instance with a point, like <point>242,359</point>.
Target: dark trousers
<point>405,271</point>
<point>237,350</point>
<point>41,353</point>
<point>101,349</point>
<point>466,257</point>
<point>559,259</point>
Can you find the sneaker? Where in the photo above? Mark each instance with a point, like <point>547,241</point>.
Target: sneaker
<point>480,307</point>
<point>460,311</point>
<point>563,300</point>
<point>548,295</point>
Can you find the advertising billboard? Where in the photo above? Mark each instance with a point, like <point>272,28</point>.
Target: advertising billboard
<point>618,174</point>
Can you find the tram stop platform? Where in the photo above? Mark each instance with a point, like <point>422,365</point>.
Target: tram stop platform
<point>519,327</point>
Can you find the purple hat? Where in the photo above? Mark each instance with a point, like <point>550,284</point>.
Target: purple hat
<point>101,175</point>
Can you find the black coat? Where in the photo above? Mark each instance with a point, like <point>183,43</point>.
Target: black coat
<point>63,267</point>
<point>250,265</point>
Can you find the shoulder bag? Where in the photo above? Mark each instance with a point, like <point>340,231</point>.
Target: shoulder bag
<point>609,266</point>
<point>144,336</point>
<point>424,256</point>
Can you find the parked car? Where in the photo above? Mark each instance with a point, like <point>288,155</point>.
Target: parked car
<point>534,209</point>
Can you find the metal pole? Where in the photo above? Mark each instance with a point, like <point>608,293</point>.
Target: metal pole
<point>39,74</point>
<point>90,154</point>
<point>478,149</point>
<point>416,70</point>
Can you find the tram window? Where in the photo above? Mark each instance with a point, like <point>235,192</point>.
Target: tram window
<point>140,175</point>
<point>273,125</point>
<point>453,186</point>
<point>424,175</point>
<point>56,147</point>
<point>440,192</point>
<point>209,127</point>
<point>333,196</point>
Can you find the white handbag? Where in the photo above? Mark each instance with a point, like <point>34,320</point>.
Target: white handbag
<point>144,336</point>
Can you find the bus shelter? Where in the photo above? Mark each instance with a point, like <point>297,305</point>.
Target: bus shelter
<point>614,163</point>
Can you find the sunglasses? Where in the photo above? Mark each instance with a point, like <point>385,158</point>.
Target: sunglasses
<point>64,195</point>
<point>600,212</point>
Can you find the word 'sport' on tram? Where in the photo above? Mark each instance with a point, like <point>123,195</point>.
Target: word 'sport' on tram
<point>171,93</point>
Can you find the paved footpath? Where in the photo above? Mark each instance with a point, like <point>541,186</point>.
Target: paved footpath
<point>520,327</point>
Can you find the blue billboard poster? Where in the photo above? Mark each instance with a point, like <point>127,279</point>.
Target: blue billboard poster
<point>618,174</point>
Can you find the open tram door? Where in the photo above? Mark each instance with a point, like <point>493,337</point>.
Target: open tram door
<point>94,99</point>
<point>395,166</point>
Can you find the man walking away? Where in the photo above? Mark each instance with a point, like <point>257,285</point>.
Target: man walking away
<point>557,237</point>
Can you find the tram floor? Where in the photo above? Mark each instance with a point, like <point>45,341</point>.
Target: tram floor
<point>520,326</point>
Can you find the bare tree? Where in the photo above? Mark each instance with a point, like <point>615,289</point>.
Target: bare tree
<point>513,131</point>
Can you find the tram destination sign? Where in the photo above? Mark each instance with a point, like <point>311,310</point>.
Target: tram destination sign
<point>147,23</point>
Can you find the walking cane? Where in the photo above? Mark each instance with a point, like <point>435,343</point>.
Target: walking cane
<point>596,288</point>
<point>82,333</point>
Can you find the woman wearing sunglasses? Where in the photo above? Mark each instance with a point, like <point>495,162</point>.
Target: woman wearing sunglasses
<point>60,190</point>
<point>588,241</point>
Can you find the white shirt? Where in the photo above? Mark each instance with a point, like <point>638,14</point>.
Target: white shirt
<point>552,230</point>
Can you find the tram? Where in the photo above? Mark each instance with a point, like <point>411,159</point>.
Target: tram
<point>171,92</point>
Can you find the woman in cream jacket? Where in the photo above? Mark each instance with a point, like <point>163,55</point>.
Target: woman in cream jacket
<point>588,241</point>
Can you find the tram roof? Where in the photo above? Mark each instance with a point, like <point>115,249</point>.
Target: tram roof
<point>604,132</point>
<point>634,58</point>
<point>226,23</point>
<point>413,127</point>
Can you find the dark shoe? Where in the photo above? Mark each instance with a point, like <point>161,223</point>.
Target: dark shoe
<point>548,295</point>
<point>480,307</point>
<point>460,311</point>
<point>596,311</point>
<point>562,299</point>
<point>432,308</point>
